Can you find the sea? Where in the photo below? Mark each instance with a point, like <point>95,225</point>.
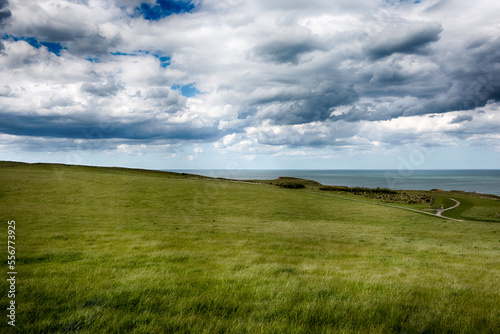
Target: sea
<point>480,181</point>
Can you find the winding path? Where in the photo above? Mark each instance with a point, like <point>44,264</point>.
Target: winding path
<point>440,211</point>
<point>437,214</point>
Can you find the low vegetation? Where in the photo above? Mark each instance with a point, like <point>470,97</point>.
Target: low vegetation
<point>291,185</point>
<point>132,251</point>
<point>382,194</point>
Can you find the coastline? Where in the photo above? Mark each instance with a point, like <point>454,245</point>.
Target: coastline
<point>483,181</point>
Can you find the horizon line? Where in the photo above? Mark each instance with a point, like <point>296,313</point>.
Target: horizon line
<point>260,169</point>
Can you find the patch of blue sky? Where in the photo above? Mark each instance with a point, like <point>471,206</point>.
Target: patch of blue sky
<point>164,8</point>
<point>94,59</point>
<point>164,61</point>
<point>55,48</point>
<point>122,54</point>
<point>188,90</point>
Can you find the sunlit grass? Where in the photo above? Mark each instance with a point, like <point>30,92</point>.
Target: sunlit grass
<point>103,250</point>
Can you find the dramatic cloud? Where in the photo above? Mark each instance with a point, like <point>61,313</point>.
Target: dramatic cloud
<point>4,12</point>
<point>461,119</point>
<point>109,87</point>
<point>256,80</point>
<point>406,40</point>
<point>282,50</point>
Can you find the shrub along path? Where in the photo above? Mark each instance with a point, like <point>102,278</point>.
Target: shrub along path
<point>437,214</point>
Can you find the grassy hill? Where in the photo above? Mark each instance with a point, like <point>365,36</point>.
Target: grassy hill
<point>121,250</point>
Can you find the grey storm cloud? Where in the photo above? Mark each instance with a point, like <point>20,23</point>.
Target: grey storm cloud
<point>69,26</point>
<point>282,51</point>
<point>463,81</point>
<point>4,3</point>
<point>5,13</point>
<point>406,40</point>
<point>5,91</point>
<point>106,88</point>
<point>310,107</point>
<point>95,44</point>
<point>88,127</point>
<point>461,119</point>
<point>59,32</point>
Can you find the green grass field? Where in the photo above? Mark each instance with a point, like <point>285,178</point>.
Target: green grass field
<point>110,250</point>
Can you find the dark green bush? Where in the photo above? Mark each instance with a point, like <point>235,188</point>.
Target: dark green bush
<point>291,185</point>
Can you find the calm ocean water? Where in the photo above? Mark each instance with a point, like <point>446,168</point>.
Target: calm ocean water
<point>481,181</point>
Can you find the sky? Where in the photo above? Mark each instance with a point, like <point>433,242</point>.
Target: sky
<point>261,84</point>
